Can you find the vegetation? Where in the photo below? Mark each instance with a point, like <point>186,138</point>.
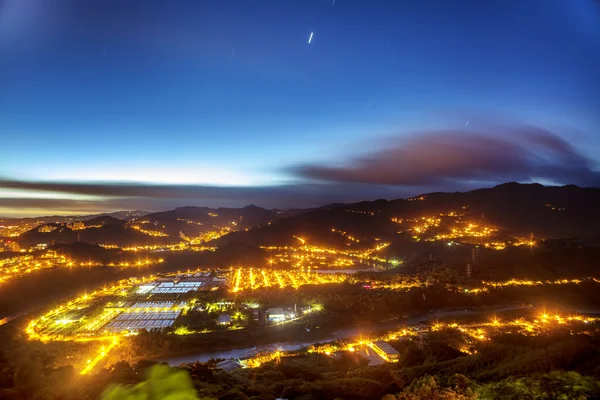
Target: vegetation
<point>550,366</point>
<point>163,383</point>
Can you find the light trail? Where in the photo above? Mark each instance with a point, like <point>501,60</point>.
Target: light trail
<point>279,280</point>
<point>294,282</point>
<point>238,278</point>
<point>265,280</point>
<point>104,350</point>
<point>305,278</point>
<point>251,279</point>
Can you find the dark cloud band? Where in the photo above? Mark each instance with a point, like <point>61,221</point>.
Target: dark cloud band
<point>430,161</point>
<point>434,158</point>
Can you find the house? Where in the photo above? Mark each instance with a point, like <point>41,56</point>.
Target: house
<point>386,351</point>
<point>229,365</point>
<point>224,319</point>
<point>275,314</point>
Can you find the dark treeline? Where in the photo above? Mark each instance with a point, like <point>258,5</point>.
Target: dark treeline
<point>509,366</point>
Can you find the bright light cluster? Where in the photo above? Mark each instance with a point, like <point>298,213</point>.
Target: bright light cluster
<point>210,235</point>
<point>85,318</point>
<point>370,213</point>
<point>59,323</point>
<point>466,230</point>
<point>148,232</point>
<point>138,263</point>
<point>400,283</point>
<point>346,235</point>
<point>525,282</point>
<point>407,282</point>
<point>253,278</point>
<point>104,350</point>
<point>24,264</point>
<point>486,285</point>
<point>17,230</point>
<point>183,246</point>
<point>262,358</point>
<point>419,225</point>
<point>452,226</point>
<point>313,256</point>
<point>531,327</point>
<point>189,221</point>
<point>82,226</point>
<point>476,332</point>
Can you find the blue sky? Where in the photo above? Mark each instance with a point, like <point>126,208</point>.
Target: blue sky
<point>230,93</point>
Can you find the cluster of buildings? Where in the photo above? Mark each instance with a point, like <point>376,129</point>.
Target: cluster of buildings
<point>47,228</point>
<point>181,284</point>
<point>273,315</point>
<point>9,245</point>
<point>145,315</point>
<point>279,314</point>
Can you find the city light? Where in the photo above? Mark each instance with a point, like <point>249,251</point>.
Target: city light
<point>252,279</point>
<point>314,256</point>
<point>452,226</point>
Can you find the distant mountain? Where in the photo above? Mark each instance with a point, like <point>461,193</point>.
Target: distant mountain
<point>511,210</point>
<point>126,215</point>
<point>153,228</point>
<point>104,220</point>
<point>83,252</point>
<point>123,215</point>
<point>547,211</point>
<point>105,230</point>
<point>514,209</point>
<point>192,221</point>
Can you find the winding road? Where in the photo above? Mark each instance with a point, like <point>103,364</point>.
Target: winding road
<point>342,334</point>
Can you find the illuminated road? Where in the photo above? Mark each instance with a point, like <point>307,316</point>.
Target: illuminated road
<point>343,334</point>
<point>104,350</point>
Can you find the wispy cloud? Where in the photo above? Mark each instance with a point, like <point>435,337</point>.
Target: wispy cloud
<point>442,157</point>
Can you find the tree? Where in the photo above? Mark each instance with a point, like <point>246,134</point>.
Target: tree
<point>163,383</point>
<point>28,376</point>
<point>427,388</point>
<point>555,385</point>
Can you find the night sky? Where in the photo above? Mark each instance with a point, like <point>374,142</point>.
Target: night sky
<point>108,105</point>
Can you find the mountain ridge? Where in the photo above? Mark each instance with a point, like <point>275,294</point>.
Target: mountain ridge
<point>516,209</point>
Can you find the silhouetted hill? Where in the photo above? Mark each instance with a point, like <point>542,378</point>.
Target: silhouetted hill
<point>114,232</point>
<point>194,220</point>
<point>515,209</point>
<point>104,220</point>
<point>316,226</point>
<point>83,252</point>
<point>57,219</point>
<point>106,229</point>
<point>551,212</point>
